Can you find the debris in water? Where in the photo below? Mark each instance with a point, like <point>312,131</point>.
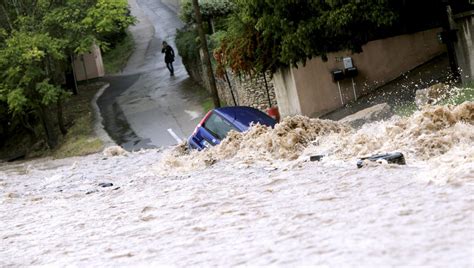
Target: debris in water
<point>114,151</point>
<point>316,157</point>
<point>391,158</point>
<point>106,184</point>
<point>91,192</point>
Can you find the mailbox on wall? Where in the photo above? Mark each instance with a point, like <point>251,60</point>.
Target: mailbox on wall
<point>347,62</point>
<point>349,70</point>
<point>337,75</point>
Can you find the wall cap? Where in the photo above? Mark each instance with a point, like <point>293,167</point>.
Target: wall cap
<point>464,14</point>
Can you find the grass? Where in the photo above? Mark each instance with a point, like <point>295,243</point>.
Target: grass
<point>80,139</point>
<point>116,58</point>
<point>207,104</point>
<point>405,109</point>
<point>464,94</point>
<point>456,98</point>
<point>204,98</point>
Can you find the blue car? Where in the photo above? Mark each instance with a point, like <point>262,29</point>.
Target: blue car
<point>214,127</point>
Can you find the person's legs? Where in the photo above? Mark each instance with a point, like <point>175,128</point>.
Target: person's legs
<point>169,65</point>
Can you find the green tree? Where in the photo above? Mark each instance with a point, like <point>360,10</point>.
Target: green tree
<point>37,38</point>
<point>211,11</point>
<point>270,34</point>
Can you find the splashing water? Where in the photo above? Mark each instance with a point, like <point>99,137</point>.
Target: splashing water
<point>428,134</point>
<point>282,210</point>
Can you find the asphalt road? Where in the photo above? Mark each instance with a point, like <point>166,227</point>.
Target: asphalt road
<point>145,107</point>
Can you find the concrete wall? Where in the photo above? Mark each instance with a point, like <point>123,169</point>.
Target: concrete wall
<point>464,47</point>
<point>380,62</point>
<point>286,92</point>
<point>89,65</point>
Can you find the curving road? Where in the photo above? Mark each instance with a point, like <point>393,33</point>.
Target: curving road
<point>144,107</point>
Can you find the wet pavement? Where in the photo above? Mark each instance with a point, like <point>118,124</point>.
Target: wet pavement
<point>145,107</point>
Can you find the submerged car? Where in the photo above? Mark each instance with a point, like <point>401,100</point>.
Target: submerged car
<point>217,123</point>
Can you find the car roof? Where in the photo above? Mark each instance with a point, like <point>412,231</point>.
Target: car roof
<point>243,116</point>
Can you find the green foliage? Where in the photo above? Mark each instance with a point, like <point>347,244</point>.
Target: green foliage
<point>187,43</point>
<point>270,34</point>
<point>116,58</point>
<point>25,61</point>
<point>83,23</point>
<point>210,9</point>
<point>37,38</point>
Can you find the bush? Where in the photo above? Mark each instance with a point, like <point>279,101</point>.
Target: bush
<point>115,59</point>
<point>187,43</point>
<point>210,10</point>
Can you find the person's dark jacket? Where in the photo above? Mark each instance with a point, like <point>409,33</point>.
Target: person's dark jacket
<point>169,54</point>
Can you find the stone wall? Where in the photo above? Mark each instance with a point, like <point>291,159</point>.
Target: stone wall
<point>247,90</point>
<point>255,91</point>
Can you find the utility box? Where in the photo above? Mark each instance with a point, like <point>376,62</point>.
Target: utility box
<point>349,69</point>
<point>347,62</point>
<point>88,66</point>
<point>351,72</point>
<point>337,75</point>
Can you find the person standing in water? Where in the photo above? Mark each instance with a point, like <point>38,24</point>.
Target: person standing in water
<point>169,57</point>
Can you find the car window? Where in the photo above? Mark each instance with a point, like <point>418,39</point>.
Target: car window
<point>218,126</point>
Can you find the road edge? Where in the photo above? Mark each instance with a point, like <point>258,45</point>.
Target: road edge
<point>98,125</point>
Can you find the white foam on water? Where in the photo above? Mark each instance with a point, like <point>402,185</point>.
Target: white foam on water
<point>255,199</point>
<point>429,133</point>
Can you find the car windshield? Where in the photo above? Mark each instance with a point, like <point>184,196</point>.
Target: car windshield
<point>218,126</point>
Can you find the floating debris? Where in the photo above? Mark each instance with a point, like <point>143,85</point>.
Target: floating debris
<point>391,158</point>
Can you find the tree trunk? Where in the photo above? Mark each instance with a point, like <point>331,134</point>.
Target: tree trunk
<point>72,74</point>
<point>25,122</point>
<point>207,59</point>
<point>7,17</point>
<point>59,113</point>
<point>51,137</point>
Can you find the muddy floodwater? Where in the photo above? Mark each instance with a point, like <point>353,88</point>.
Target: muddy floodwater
<point>256,199</point>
